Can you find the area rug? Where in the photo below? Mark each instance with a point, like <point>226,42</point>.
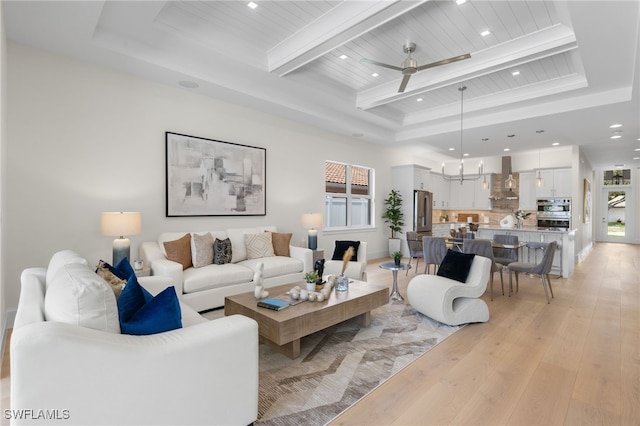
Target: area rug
<point>341,364</point>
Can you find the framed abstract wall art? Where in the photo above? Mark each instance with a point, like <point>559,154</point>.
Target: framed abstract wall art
<point>586,214</point>
<point>207,177</point>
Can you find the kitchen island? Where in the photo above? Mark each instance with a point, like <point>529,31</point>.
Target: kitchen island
<point>564,259</point>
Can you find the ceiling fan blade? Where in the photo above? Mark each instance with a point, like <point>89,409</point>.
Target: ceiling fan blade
<point>404,82</point>
<point>444,61</point>
<point>369,61</point>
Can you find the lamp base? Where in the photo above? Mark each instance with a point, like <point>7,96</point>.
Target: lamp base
<point>313,239</point>
<point>121,249</point>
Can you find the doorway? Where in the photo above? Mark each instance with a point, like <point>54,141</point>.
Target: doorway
<point>614,215</point>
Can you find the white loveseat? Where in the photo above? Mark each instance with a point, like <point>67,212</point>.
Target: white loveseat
<point>206,287</point>
<point>205,373</point>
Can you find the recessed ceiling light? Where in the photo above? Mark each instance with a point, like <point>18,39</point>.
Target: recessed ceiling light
<point>452,149</point>
<point>188,84</point>
<point>485,33</point>
<point>343,56</point>
<point>252,5</point>
<point>375,74</point>
<point>466,154</point>
<point>459,2</point>
<point>515,73</point>
<point>506,150</point>
<point>615,126</point>
<point>419,100</point>
<point>636,158</point>
<point>637,149</point>
<point>555,144</point>
<point>615,137</point>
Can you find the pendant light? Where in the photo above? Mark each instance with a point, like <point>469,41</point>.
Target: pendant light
<point>539,180</point>
<point>510,183</point>
<point>461,167</point>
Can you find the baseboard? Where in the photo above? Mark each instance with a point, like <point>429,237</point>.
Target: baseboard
<point>10,320</point>
<point>582,255</point>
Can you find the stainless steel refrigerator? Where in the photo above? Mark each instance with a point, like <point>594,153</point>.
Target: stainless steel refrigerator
<point>422,209</point>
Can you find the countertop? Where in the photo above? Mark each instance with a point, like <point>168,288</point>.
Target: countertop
<point>528,229</point>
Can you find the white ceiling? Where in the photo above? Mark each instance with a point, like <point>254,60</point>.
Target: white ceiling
<point>578,63</point>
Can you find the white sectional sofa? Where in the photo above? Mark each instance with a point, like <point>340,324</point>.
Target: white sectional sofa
<point>205,287</point>
<point>78,373</point>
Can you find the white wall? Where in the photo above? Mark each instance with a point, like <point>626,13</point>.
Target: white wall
<point>82,140</point>
<point>3,91</point>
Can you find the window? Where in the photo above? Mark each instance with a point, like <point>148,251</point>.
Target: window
<point>617,177</point>
<point>349,199</point>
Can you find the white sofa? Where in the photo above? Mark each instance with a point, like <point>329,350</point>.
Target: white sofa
<point>206,287</point>
<point>205,373</point>
<point>449,301</point>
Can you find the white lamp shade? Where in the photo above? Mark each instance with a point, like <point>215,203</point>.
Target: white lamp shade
<point>312,220</point>
<point>118,224</point>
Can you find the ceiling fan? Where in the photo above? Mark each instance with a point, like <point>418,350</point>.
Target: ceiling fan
<point>410,66</point>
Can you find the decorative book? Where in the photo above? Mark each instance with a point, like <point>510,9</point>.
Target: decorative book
<point>271,303</point>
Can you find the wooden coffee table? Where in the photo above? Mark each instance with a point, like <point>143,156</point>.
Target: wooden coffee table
<point>284,329</point>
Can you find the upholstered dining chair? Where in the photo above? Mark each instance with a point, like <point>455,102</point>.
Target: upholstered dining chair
<point>542,269</point>
<point>482,247</point>
<point>505,256</point>
<point>415,249</point>
<point>433,249</point>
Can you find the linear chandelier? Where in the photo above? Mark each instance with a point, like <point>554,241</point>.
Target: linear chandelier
<point>461,176</point>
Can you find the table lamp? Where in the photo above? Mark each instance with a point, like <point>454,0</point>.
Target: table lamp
<point>119,224</point>
<point>311,221</point>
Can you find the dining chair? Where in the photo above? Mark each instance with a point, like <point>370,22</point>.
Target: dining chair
<point>505,256</point>
<point>542,268</point>
<point>433,251</point>
<point>415,249</point>
<point>482,247</point>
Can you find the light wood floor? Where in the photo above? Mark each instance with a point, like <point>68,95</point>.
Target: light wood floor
<point>575,361</point>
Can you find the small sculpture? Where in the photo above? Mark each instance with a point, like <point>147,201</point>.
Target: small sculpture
<point>259,292</point>
<point>319,268</point>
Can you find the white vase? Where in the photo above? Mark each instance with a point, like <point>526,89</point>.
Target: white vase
<point>394,245</point>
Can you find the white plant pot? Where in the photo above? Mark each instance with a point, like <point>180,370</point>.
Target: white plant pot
<point>394,245</point>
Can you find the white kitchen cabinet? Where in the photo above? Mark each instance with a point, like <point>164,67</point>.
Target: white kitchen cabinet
<point>421,178</point>
<point>440,189</point>
<point>556,183</point>
<point>527,192</point>
<point>440,230</point>
<point>462,196</point>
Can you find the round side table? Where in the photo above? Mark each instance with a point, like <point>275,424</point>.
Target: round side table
<point>391,266</point>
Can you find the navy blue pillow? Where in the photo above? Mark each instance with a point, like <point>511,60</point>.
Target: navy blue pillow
<point>140,313</point>
<point>160,314</point>
<point>455,265</point>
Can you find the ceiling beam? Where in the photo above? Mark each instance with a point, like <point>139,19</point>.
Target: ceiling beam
<point>345,22</point>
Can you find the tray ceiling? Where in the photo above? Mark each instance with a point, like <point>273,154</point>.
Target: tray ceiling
<point>577,64</point>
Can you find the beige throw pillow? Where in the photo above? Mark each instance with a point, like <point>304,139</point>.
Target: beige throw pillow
<point>180,251</point>
<point>259,245</point>
<point>202,250</point>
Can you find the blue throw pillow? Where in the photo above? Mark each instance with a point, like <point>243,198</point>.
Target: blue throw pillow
<point>140,313</point>
<point>160,314</point>
<point>455,265</point>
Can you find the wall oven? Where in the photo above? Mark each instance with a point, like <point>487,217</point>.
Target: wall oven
<point>554,213</point>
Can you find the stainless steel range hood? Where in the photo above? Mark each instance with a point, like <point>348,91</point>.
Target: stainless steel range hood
<point>503,193</point>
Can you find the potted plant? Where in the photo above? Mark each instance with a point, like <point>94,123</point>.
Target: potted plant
<point>311,278</point>
<point>394,217</point>
<point>397,257</point>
